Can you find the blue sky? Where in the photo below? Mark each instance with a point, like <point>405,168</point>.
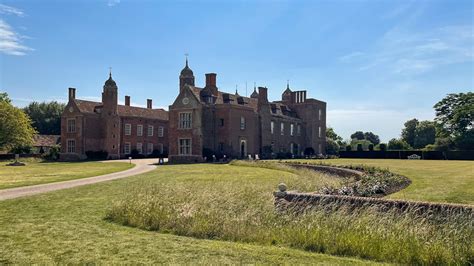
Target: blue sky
<point>376,63</point>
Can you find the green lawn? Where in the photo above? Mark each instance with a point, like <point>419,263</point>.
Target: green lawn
<point>432,180</point>
<point>68,226</point>
<point>36,172</point>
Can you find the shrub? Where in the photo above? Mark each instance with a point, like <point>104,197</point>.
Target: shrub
<point>383,146</point>
<point>371,147</point>
<point>359,147</point>
<point>136,155</point>
<point>53,153</point>
<point>348,148</point>
<point>309,151</point>
<point>21,150</point>
<point>97,155</point>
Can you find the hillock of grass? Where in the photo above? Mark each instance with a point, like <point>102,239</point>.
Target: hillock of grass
<point>237,210</point>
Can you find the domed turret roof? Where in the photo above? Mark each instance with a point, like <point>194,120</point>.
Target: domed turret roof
<point>110,82</point>
<point>186,70</point>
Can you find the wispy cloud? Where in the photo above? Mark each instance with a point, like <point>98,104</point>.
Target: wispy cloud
<point>404,52</point>
<point>113,2</point>
<point>9,10</point>
<point>11,42</point>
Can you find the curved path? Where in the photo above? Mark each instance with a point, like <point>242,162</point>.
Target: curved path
<point>141,166</point>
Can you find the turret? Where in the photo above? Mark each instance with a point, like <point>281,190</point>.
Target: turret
<point>186,77</point>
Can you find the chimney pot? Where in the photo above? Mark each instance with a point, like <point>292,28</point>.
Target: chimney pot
<point>149,104</point>
<point>127,100</point>
<point>72,93</point>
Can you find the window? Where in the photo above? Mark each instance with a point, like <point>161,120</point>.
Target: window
<point>184,146</point>
<point>319,114</point>
<point>319,149</point>
<point>140,148</point>
<point>185,120</point>
<point>126,148</point>
<point>221,122</point>
<point>161,131</point>
<point>242,123</point>
<point>160,148</point>
<point>128,129</point>
<point>319,131</point>
<point>139,130</point>
<point>298,130</point>
<point>282,129</point>
<point>149,148</point>
<point>272,126</point>
<point>292,130</point>
<point>71,125</point>
<point>150,131</point>
<point>71,146</point>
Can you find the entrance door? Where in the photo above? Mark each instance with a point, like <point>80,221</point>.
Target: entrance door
<point>243,149</point>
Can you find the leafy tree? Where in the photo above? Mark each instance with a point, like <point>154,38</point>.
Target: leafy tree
<point>398,144</point>
<point>359,135</point>
<point>408,133</point>
<point>364,143</point>
<point>348,148</point>
<point>425,133</point>
<point>382,147</point>
<point>4,97</point>
<point>455,112</point>
<point>15,127</point>
<point>46,116</point>
<point>330,134</point>
<point>332,148</point>
<point>372,138</point>
<point>371,147</point>
<point>465,141</point>
<point>442,144</point>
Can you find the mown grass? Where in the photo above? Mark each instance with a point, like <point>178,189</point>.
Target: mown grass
<point>241,208</point>
<point>40,172</point>
<point>68,226</point>
<point>432,180</point>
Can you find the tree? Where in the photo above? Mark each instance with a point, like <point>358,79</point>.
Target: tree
<point>332,148</point>
<point>455,112</point>
<point>465,141</point>
<point>372,138</point>
<point>398,144</point>
<point>408,133</point>
<point>359,135</point>
<point>15,127</point>
<point>364,143</point>
<point>46,116</point>
<point>330,134</point>
<point>4,97</point>
<point>425,133</point>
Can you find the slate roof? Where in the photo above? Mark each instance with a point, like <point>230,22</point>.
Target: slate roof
<point>123,110</point>
<point>46,140</point>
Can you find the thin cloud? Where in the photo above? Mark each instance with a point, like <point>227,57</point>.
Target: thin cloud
<point>113,2</point>
<point>11,42</point>
<point>9,10</point>
<point>349,57</point>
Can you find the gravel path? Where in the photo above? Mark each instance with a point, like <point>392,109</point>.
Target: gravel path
<point>141,166</point>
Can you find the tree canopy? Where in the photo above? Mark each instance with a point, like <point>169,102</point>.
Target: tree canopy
<point>425,134</point>
<point>15,127</point>
<point>359,135</point>
<point>372,138</point>
<point>46,116</point>
<point>408,133</point>
<point>455,112</point>
<point>398,144</point>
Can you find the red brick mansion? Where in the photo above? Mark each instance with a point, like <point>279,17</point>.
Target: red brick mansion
<point>201,122</point>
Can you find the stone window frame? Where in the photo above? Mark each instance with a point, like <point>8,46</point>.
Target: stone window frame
<point>292,129</point>
<point>320,114</point>
<point>160,148</point>
<point>71,148</point>
<point>161,131</point>
<point>149,148</point>
<point>125,146</point>
<point>298,129</point>
<point>140,147</point>
<point>282,128</point>
<point>185,120</point>
<point>272,127</point>
<point>71,127</point>
<point>127,129</point>
<point>319,132</point>
<point>139,130</point>
<point>150,130</point>
<point>242,123</point>
<point>185,147</point>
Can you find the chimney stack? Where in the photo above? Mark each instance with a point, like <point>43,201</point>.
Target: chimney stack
<point>262,95</point>
<point>127,100</point>
<point>211,80</point>
<point>72,94</point>
<point>149,104</point>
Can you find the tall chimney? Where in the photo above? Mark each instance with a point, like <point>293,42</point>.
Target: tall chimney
<point>211,79</point>
<point>127,100</point>
<point>149,104</point>
<point>262,95</point>
<point>72,94</point>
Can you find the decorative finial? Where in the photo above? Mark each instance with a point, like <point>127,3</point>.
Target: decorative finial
<point>288,84</point>
<point>236,86</point>
<point>110,72</point>
<point>186,54</point>
<point>255,86</point>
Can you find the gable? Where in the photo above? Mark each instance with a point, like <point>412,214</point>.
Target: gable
<point>186,99</point>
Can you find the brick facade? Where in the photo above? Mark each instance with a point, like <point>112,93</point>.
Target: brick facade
<point>100,126</point>
<point>235,126</point>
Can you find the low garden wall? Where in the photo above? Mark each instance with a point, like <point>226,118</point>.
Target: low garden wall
<point>332,170</point>
<point>426,155</point>
<point>288,200</point>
